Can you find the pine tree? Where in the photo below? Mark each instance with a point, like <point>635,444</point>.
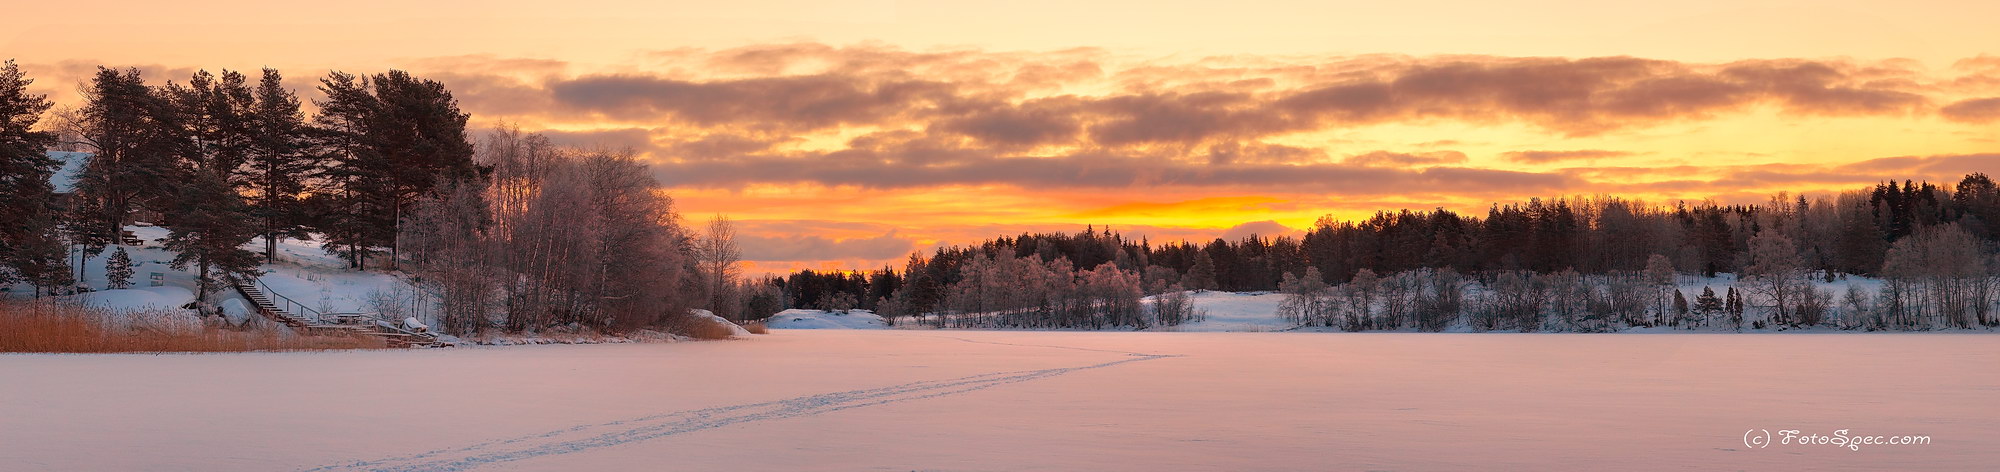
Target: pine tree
<point>1202,275</point>
<point>1735,308</point>
<point>1680,306</point>
<point>134,135</point>
<point>1707,304</point>
<point>207,230</point>
<point>207,220</point>
<point>395,138</point>
<point>118,270</point>
<point>30,246</point>
<point>281,160</point>
<point>347,218</point>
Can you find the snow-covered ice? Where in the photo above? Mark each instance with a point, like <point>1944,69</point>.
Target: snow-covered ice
<point>1019,400</point>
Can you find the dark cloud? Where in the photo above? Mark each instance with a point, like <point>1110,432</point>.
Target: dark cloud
<point>636,139</point>
<point>888,168</point>
<point>1261,153</point>
<point>803,246</point>
<point>881,117</point>
<point>1035,122</point>
<point>1400,159</point>
<point>802,103</point>
<point>990,96</point>
<point>1545,157</point>
<point>1978,110</point>
<point>720,146</point>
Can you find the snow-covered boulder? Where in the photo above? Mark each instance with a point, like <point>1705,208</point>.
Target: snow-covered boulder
<point>821,319</point>
<point>413,325</point>
<point>236,311</point>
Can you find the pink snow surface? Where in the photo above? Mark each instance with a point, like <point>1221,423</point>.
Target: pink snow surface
<point>978,400</point>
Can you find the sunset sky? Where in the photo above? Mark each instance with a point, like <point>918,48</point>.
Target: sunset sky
<point>846,134</point>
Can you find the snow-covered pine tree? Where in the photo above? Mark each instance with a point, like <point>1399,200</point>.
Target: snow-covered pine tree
<point>1680,308</point>
<point>1735,308</point>
<point>118,270</point>
<point>1708,305</point>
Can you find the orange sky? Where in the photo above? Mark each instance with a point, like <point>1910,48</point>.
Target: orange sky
<point>847,135</point>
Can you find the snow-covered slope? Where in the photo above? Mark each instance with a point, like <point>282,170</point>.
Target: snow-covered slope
<point>1232,311</point>
<point>820,319</point>
<point>303,273</point>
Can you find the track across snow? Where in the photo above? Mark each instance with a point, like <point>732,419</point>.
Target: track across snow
<point>587,437</point>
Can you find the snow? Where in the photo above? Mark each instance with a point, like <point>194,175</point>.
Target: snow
<point>1232,311</point>
<point>822,319</point>
<point>304,274</point>
<point>1018,400</point>
<point>136,299</point>
<point>735,330</point>
<point>237,311</point>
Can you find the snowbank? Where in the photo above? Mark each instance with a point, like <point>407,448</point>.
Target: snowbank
<point>735,330</point>
<point>134,299</point>
<point>821,319</point>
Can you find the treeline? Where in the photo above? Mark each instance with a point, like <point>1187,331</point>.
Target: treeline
<point>1559,251</point>
<point>514,234</point>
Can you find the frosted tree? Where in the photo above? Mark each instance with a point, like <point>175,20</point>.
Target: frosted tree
<point>445,239</point>
<point>717,256</point>
<point>1661,275</point>
<point>1775,272</point>
<point>1174,307</point>
<point>1360,293</point>
<point>1857,309</point>
<point>1568,298</point>
<point>1944,271</point>
<point>1514,299</point>
<point>1307,299</point>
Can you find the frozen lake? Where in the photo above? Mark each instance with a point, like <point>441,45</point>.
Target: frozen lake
<point>972,400</point>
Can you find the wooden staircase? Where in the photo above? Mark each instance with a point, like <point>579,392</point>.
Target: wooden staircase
<point>313,323</point>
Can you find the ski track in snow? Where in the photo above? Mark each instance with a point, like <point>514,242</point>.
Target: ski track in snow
<point>593,436</point>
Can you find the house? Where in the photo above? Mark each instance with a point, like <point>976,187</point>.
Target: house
<point>64,180</point>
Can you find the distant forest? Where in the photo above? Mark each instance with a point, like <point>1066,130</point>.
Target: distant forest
<point>1576,263</point>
